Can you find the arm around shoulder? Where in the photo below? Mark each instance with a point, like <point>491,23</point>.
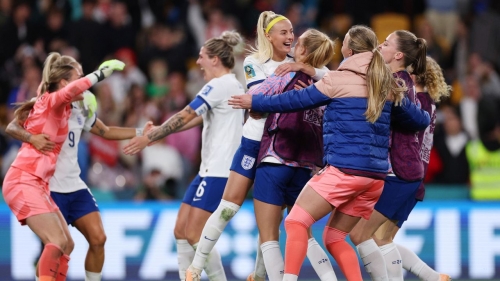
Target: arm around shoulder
<point>409,116</point>
<point>290,101</point>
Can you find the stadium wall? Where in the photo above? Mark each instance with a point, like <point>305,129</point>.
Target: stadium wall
<point>460,238</point>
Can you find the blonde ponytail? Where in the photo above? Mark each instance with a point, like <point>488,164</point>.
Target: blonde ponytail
<point>380,83</point>
<point>320,48</point>
<point>56,68</point>
<point>263,49</point>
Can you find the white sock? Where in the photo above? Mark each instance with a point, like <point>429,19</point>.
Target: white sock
<point>185,254</point>
<point>290,277</point>
<point>373,260</point>
<point>213,265</point>
<point>92,276</point>
<point>392,262</point>
<point>260,268</point>
<point>36,278</point>
<point>273,259</point>
<point>320,261</point>
<point>212,231</point>
<point>415,265</point>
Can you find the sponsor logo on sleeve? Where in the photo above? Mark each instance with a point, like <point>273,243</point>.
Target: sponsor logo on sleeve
<point>206,90</point>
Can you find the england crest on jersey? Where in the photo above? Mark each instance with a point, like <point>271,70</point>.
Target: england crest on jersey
<point>247,162</point>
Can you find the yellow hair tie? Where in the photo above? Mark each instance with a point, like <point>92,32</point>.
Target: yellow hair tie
<point>274,21</point>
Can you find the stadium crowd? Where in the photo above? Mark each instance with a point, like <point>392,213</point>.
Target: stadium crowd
<point>159,43</point>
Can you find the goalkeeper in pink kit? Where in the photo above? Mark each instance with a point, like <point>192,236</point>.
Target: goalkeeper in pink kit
<point>26,184</point>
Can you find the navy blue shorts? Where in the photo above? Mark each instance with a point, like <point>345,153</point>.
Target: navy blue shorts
<point>400,222</point>
<point>245,158</point>
<point>205,193</point>
<point>279,184</point>
<point>75,205</point>
<point>397,199</point>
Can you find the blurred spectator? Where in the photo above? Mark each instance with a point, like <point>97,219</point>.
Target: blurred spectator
<point>102,10</point>
<point>489,121</point>
<point>457,61</point>
<point>203,30</point>
<point>468,106</point>
<point>115,178</point>
<point>168,44</point>
<point>156,187</point>
<point>91,52</point>
<point>121,81</point>
<point>485,35</point>
<point>135,104</point>
<point>164,159</point>
<point>484,154</point>
<point>54,33</point>
<point>448,161</point>
<point>443,17</point>
<point>16,31</point>
<point>436,48</point>
<point>13,70</point>
<point>118,31</point>
<point>146,14</point>
<point>177,98</point>
<point>297,15</point>
<point>485,74</point>
<point>32,75</point>
<point>5,10</point>
<point>158,86</point>
<point>106,106</point>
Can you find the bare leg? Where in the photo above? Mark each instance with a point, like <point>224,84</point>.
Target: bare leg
<point>92,229</point>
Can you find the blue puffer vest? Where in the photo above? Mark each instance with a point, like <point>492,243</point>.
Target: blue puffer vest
<point>350,141</point>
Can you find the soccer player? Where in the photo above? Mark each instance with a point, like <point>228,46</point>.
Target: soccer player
<point>401,50</point>
<point>26,184</point>
<point>69,192</point>
<point>273,45</point>
<point>220,138</point>
<point>356,133</point>
<point>430,88</point>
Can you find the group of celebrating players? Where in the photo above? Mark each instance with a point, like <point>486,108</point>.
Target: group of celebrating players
<point>368,126</point>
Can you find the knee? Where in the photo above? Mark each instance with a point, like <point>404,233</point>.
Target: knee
<point>355,238</point>
<point>70,246</point>
<point>192,238</point>
<point>299,217</point>
<point>63,242</point>
<point>179,232</point>
<point>97,241</point>
<point>291,224</point>
<point>332,235</point>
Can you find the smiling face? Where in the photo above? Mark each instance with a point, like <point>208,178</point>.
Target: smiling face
<point>206,64</point>
<point>281,38</point>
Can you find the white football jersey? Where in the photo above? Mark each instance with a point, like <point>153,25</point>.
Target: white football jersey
<point>255,73</point>
<point>66,178</point>
<point>222,125</point>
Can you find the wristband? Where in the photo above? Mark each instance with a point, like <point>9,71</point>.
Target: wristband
<point>139,132</point>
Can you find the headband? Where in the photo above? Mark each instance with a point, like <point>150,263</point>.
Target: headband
<point>274,21</point>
